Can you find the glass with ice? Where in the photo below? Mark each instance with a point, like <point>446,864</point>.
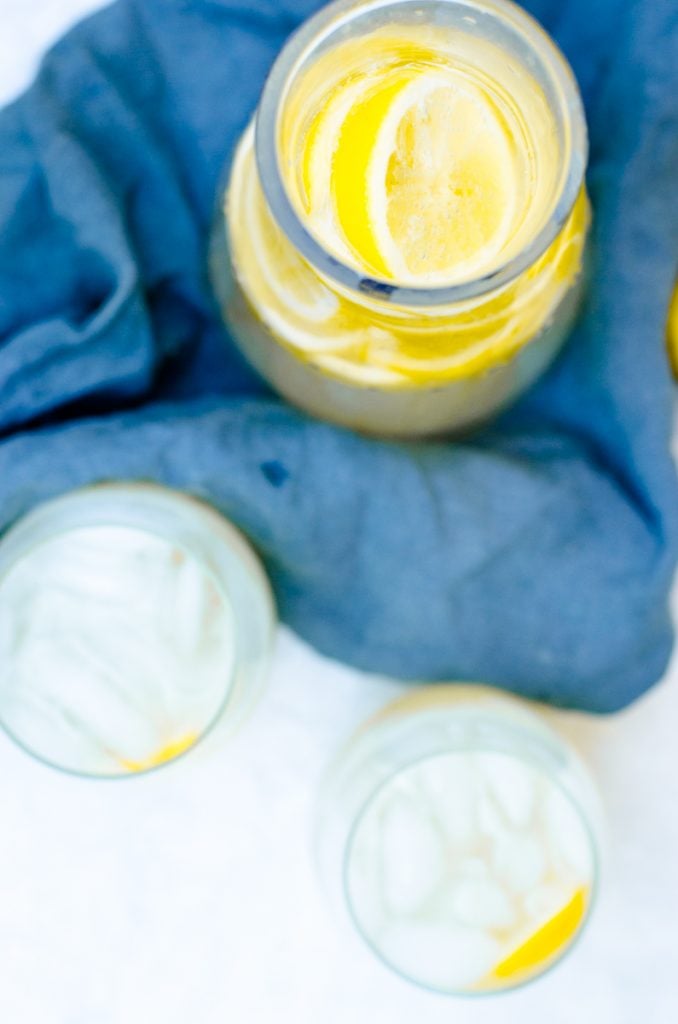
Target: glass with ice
<point>459,835</point>
<point>131,618</point>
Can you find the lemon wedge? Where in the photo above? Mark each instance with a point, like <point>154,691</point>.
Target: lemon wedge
<point>543,944</point>
<point>672,333</point>
<point>166,753</point>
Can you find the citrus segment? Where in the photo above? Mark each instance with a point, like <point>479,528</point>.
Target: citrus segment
<point>673,332</point>
<point>166,753</point>
<point>545,942</point>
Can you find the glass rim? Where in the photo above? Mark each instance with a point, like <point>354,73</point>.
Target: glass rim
<point>164,498</point>
<point>460,993</point>
<point>320,27</point>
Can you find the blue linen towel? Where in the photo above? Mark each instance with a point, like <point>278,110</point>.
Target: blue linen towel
<point>536,555</point>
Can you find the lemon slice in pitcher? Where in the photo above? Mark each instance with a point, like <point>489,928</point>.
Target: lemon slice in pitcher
<point>672,332</point>
<point>424,181</point>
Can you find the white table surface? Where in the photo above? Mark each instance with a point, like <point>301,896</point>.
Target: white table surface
<point>189,897</point>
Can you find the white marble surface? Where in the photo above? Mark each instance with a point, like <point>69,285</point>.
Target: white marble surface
<point>189,895</point>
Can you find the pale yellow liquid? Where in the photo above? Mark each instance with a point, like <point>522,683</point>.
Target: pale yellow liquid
<point>432,822</point>
<point>327,142</point>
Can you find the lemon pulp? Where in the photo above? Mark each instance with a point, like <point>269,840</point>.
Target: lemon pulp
<point>167,753</point>
<point>420,156</point>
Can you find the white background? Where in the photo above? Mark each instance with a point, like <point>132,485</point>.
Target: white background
<point>189,897</point>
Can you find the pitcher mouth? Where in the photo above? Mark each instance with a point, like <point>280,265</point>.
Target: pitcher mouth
<point>539,53</point>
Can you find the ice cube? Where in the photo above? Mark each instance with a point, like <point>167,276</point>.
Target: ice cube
<point>451,783</point>
<point>412,855</point>
<point>472,867</point>
<point>481,903</point>
<point>490,820</point>
<point>445,956</point>
<point>519,862</point>
<point>511,783</point>
<point>544,902</point>
<point>569,840</point>
<point>186,606</point>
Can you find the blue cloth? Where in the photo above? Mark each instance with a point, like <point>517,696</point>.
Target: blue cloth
<point>536,555</point>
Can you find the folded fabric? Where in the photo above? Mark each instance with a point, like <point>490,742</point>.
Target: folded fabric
<point>536,555</point>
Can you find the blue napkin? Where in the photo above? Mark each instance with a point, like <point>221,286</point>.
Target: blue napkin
<point>536,555</point>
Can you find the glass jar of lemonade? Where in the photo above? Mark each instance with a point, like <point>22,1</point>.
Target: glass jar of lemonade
<point>133,618</point>
<point>401,242</point>
<point>461,838</point>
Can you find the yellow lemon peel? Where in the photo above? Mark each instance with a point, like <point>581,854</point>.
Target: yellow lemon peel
<point>166,753</point>
<point>544,944</point>
<point>672,333</point>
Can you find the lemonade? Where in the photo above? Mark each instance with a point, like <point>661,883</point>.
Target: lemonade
<point>131,618</point>
<point>412,260</point>
<point>470,871</point>
<point>459,836</point>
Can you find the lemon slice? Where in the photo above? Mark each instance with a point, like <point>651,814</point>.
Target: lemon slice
<point>424,180</point>
<point>543,944</point>
<point>321,140</point>
<point>284,271</point>
<point>162,756</point>
<point>358,373</point>
<point>672,332</point>
<point>279,284</point>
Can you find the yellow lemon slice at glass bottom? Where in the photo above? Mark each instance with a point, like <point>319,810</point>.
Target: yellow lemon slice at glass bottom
<point>424,178</point>
<point>672,333</point>
<point>535,953</point>
<point>166,753</point>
